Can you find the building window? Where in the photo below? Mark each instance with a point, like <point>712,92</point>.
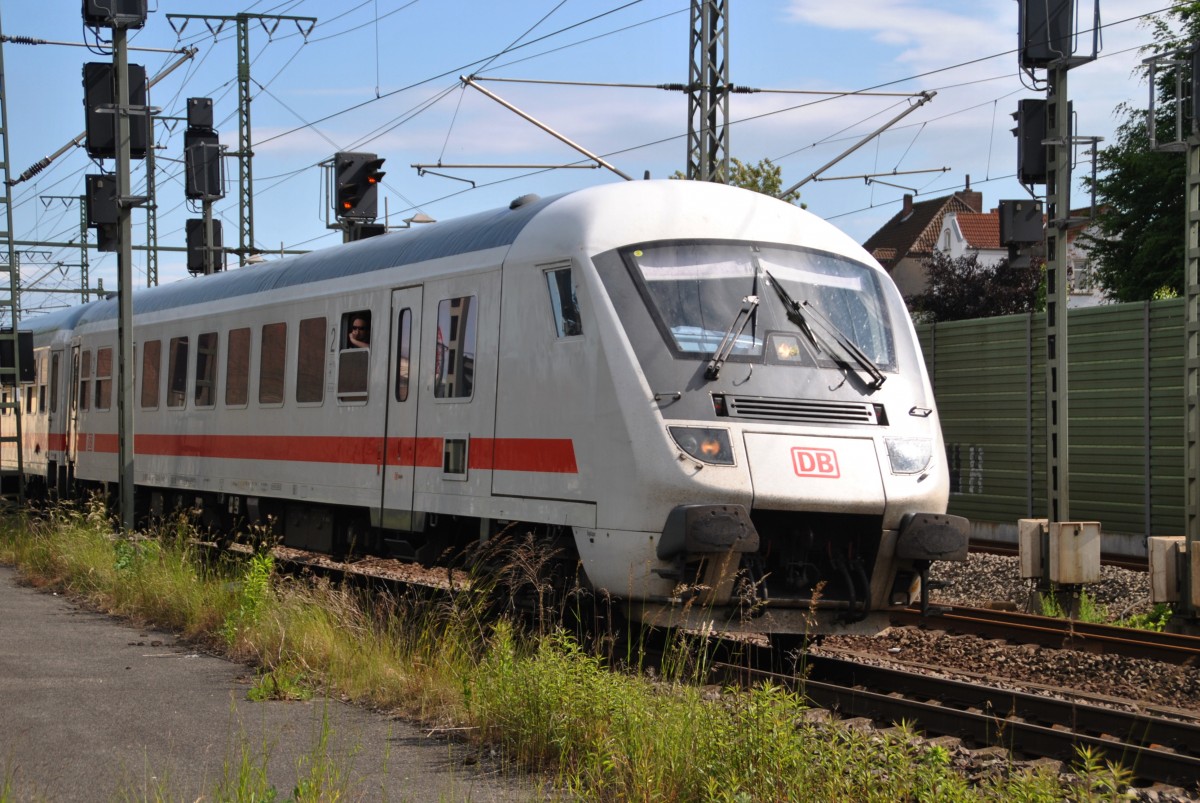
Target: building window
<point>177,364</point>
<point>271,363</point>
<point>237,368</point>
<point>310,362</point>
<point>454,360</point>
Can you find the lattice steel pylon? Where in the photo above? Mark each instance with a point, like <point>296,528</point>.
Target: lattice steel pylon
<point>10,281</point>
<point>1191,602</point>
<point>708,92</point>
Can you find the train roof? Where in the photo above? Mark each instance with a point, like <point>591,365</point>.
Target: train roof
<point>491,229</point>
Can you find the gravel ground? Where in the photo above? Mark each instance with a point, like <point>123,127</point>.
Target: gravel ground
<point>994,581</point>
<point>984,580</point>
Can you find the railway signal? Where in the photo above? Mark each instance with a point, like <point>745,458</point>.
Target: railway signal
<point>357,177</point>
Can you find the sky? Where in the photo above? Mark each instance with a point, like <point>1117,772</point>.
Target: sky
<point>383,76</point>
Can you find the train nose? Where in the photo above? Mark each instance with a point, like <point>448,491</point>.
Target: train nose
<point>815,473</point>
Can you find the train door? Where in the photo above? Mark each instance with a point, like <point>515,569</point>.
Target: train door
<point>400,452</point>
<point>55,416</point>
<point>72,404</point>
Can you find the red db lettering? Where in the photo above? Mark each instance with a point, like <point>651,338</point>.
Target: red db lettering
<point>810,462</point>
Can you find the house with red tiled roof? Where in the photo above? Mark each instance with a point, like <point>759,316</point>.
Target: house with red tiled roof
<point>978,233</point>
<point>903,243</point>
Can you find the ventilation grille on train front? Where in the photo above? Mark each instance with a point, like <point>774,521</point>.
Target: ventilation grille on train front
<point>802,410</point>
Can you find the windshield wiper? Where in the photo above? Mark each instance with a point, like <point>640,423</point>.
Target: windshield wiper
<point>796,315</point>
<point>749,304</point>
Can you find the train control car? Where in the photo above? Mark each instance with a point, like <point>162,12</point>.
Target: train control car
<point>713,399</point>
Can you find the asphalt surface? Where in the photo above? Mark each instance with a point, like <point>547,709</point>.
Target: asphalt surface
<point>94,709</point>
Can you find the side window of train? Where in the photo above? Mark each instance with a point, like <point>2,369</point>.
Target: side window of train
<point>271,363</point>
<point>310,362</point>
<point>205,393</point>
<point>237,368</point>
<point>104,373</point>
<point>454,357</point>
<point>354,356</point>
<point>177,365</point>
<point>151,362</point>
<point>42,373</point>
<point>85,378</point>
<point>403,352</point>
<point>54,371</point>
<point>563,304</point>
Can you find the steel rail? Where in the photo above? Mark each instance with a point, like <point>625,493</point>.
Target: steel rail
<point>1021,722</point>
<point>1175,648</point>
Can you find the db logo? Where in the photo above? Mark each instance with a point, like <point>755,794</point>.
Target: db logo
<point>810,462</point>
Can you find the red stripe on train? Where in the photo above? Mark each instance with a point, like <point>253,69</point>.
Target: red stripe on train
<point>540,455</point>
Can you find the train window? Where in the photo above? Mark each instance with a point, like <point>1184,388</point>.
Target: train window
<point>28,391</point>
<point>85,379</point>
<point>54,364</point>
<point>271,363</point>
<point>151,360</point>
<point>41,375</point>
<point>696,292</point>
<point>403,351</point>
<point>104,378</point>
<point>177,365</point>
<point>237,368</point>
<point>454,360</point>
<point>205,394</point>
<point>454,458</point>
<point>354,358</point>
<point>563,304</point>
<point>356,330</point>
<point>310,362</point>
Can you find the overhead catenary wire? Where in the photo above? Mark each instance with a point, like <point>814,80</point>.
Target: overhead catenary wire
<point>292,174</point>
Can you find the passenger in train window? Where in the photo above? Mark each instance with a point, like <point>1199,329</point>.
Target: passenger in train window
<point>360,333</point>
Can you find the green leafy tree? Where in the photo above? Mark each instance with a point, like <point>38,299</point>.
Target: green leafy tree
<point>962,288</point>
<point>1138,239</point>
<point>764,177</point>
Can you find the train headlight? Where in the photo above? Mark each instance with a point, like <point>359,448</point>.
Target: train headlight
<point>704,444</point>
<point>909,455</point>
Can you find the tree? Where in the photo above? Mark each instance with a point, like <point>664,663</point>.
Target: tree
<point>764,177</point>
<point>1138,244</point>
<point>962,288</point>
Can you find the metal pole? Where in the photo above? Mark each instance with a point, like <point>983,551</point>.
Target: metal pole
<point>471,83</point>
<point>1191,386</point>
<point>83,249</point>
<point>210,256</point>
<point>1058,208</point>
<point>921,101</point>
<point>151,209</point>
<point>125,450</point>
<point>245,151</point>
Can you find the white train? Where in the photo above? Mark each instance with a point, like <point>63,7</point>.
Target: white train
<point>714,398</point>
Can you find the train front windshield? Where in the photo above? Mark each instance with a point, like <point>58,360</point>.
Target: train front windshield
<point>696,291</point>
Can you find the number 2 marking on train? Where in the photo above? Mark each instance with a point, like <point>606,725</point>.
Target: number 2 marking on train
<point>810,462</point>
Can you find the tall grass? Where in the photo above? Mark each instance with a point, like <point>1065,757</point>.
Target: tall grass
<point>543,701</point>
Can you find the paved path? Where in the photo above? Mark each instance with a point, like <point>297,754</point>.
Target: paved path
<point>92,709</point>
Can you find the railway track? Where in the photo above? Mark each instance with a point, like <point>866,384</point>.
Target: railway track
<point>1175,648</point>
<point>1157,743</point>
<point>1156,747</point>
